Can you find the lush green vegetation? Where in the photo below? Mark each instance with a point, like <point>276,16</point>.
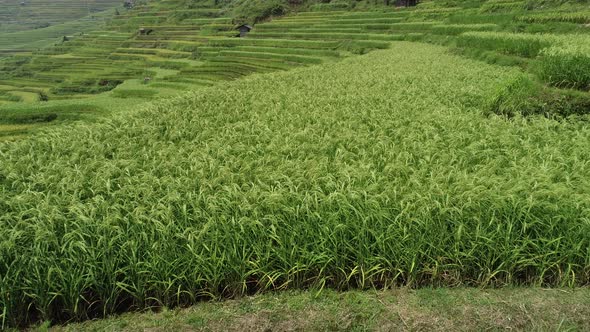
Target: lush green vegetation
<point>387,169</point>
<point>335,179</point>
<point>567,65</point>
<point>191,44</point>
<point>49,22</point>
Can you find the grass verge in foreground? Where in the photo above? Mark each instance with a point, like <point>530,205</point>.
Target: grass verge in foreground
<point>401,309</point>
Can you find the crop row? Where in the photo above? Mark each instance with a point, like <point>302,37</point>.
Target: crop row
<point>337,178</point>
<point>564,59</point>
<point>573,17</point>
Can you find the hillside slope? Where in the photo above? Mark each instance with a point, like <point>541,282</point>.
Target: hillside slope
<point>101,67</point>
<point>19,15</point>
<point>375,171</point>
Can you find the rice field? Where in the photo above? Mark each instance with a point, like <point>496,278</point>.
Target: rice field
<point>335,179</point>
<point>343,147</point>
<point>200,45</point>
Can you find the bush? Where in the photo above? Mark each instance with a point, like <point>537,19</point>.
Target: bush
<point>42,96</point>
<point>26,117</point>
<point>88,86</point>
<point>566,66</point>
<point>526,45</point>
<point>254,11</point>
<point>455,29</point>
<point>524,96</point>
<point>573,17</point>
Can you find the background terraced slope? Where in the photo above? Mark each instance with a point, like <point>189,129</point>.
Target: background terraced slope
<point>18,15</point>
<point>28,25</point>
<point>193,44</point>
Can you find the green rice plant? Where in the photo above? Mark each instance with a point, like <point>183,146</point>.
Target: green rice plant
<point>136,93</point>
<point>327,36</point>
<point>567,65</point>
<point>327,177</point>
<point>526,45</point>
<point>501,19</point>
<point>290,43</point>
<point>361,21</point>
<point>321,30</point>
<point>9,97</point>
<point>572,17</point>
<point>524,96</point>
<point>336,6</point>
<point>285,50</point>
<point>259,65</point>
<point>455,29</point>
<point>500,7</point>
<point>30,114</point>
<point>264,55</point>
<point>369,15</point>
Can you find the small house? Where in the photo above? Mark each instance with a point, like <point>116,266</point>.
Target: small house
<point>244,29</point>
<point>145,32</point>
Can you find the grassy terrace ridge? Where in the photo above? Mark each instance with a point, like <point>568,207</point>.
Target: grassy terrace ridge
<point>337,179</point>
<point>516,309</point>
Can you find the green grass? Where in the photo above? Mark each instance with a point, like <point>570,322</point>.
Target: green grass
<point>567,65</point>
<point>336,179</point>
<point>461,309</point>
<point>126,93</point>
<point>525,45</point>
<point>564,60</point>
<point>17,120</point>
<point>455,29</point>
<point>524,96</point>
<point>572,17</point>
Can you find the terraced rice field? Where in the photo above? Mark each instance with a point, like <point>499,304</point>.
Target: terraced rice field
<point>204,50</point>
<point>380,148</point>
<point>19,15</point>
<point>335,179</point>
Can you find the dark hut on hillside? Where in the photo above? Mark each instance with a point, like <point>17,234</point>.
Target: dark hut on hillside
<point>128,4</point>
<point>145,31</point>
<point>244,29</point>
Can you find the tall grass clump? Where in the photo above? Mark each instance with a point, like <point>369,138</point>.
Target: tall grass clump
<point>525,96</point>
<point>572,17</point>
<point>320,177</point>
<point>567,65</point>
<point>526,45</point>
<point>455,29</point>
